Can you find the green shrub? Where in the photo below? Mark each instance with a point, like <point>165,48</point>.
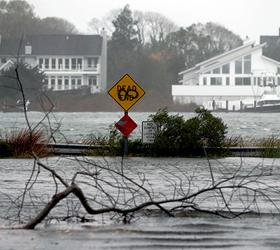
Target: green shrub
<point>177,136</point>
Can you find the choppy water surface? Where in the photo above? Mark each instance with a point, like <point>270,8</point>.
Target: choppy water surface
<point>156,231</point>
<point>76,126</point>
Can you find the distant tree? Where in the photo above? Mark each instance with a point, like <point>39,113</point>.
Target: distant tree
<point>123,46</point>
<point>200,42</point>
<point>16,18</point>
<point>222,38</point>
<point>55,25</point>
<point>153,27</point>
<point>31,78</point>
<point>96,25</point>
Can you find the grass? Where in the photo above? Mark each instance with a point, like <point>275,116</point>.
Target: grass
<point>270,145</point>
<point>238,141</point>
<point>24,143</point>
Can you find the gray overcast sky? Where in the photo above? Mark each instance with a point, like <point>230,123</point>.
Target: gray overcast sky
<point>244,17</point>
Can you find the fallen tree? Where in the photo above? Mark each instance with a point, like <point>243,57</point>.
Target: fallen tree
<point>103,188</point>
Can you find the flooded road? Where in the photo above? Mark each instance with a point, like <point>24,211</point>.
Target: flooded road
<point>150,229</point>
<point>151,233</point>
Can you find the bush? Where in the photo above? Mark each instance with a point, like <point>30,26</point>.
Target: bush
<point>5,150</point>
<point>180,137</point>
<point>23,143</point>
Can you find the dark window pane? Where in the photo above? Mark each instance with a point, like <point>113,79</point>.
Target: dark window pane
<point>246,81</point>
<point>238,81</point>
<point>227,81</point>
<point>247,67</point>
<point>238,67</point>
<point>225,69</point>
<point>204,81</point>
<point>46,63</point>
<point>216,71</point>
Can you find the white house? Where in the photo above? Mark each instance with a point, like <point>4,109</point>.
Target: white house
<point>234,80</point>
<point>69,62</point>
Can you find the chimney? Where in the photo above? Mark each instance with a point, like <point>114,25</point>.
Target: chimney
<point>103,63</point>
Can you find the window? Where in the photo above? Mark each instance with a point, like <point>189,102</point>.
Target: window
<point>278,80</point>
<point>204,80</point>
<point>60,66</point>
<point>79,82</point>
<point>216,80</point>
<point>242,81</point>
<point>243,65</point>
<point>238,67</point>
<point>216,71</point>
<point>255,80</point>
<point>227,80</point>
<point>67,66</point>
<point>278,70</point>
<point>95,59</point>
<point>3,59</point>
<point>225,69</point>
<point>28,50</point>
<point>47,61</point>
<point>41,62</point>
<point>208,72</point>
<point>73,63</point>
<point>59,82</point>
<point>247,64</point>
<point>66,82</point>
<point>90,62</point>
<point>53,63</point>
<point>52,82</point>
<point>80,63</point>
<point>73,83</point>
<point>259,81</point>
<point>92,81</point>
<point>264,81</point>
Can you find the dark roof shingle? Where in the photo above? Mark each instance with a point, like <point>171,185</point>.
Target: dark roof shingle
<point>54,45</point>
<point>272,48</point>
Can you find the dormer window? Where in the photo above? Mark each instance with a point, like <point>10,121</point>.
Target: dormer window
<point>3,59</point>
<point>28,50</point>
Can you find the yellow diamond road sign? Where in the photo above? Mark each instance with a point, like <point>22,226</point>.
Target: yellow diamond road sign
<point>126,92</point>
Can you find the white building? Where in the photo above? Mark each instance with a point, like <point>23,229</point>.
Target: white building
<point>234,80</point>
<point>70,62</point>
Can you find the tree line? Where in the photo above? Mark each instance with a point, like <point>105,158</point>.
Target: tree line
<point>146,45</point>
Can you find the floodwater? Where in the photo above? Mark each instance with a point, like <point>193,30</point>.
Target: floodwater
<point>163,177</point>
<point>151,229</point>
<point>76,126</point>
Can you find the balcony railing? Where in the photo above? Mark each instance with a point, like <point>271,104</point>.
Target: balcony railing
<point>72,68</point>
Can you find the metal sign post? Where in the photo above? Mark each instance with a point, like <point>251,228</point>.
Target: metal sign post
<point>126,92</point>
<point>126,125</point>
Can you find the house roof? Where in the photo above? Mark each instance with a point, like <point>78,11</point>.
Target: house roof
<point>272,49</point>
<point>54,45</point>
<point>223,58</point>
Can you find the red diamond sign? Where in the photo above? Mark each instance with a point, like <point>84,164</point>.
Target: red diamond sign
<point>126,125</point>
